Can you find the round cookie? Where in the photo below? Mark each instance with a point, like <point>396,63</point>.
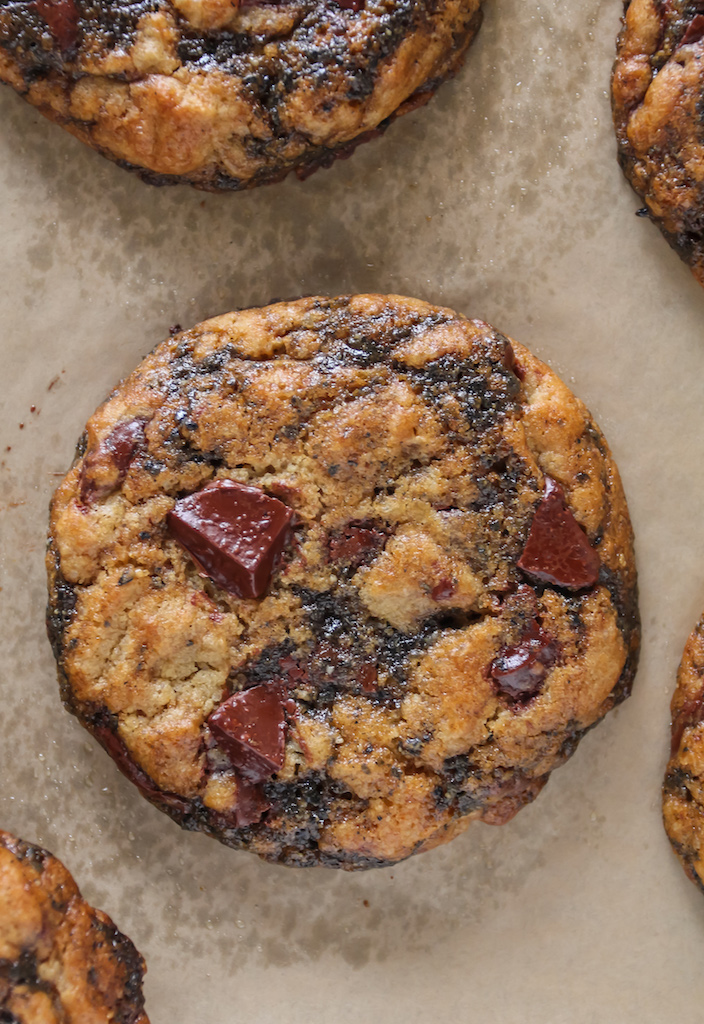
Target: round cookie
<point>61,961</point>
<point>683,790</point>
<point>332,578</point>
<point>657,94</point>
<point>228,95</point>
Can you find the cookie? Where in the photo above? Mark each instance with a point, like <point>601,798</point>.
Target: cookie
<point>61,961</point>
<point>683,790</point>
<point>657,94</point>
<point>228,95</point>
<point>332,578</point>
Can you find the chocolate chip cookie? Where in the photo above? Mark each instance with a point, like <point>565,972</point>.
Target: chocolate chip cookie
<point>61,961</point>
<point>657,95</point>
<point>683,791</point>
<point>230,94</point>
<point>332,578</point>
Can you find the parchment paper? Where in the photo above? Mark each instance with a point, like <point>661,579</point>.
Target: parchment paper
<point>502,199</point>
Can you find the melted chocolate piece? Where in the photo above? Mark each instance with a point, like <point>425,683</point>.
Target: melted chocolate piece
<point>367,677</point>
<point>349,671</point>
<point>305,170</point>
<point>516,795</point>
<point>353,544</point>
<point>123,442</point>
<point>62,18</point>
<point>509,361</point>
<point>295,673</point>
<point>351,5</point>
<point>557,550</point>
<point>691,713</point>
<point>695,30</point>
<point>233,533</point>
<point>519,671</point>
<point>442,590</point>
<point>108,738</point>
<point>252,804</point>
<point>119,447</point>
<point>250,727</point>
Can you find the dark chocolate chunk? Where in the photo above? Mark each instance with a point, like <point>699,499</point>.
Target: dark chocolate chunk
<point>105,733</point>
<point>557,550</point>
<point>443,590</point>
<point>123,442</point>
<point>519,671</point>
<point>233,533</point>
<point>355,543</point>
<point>695,30</point>
<point>250,727</point>
<point>62,18</point>
<point>509,361</point>
<point>252,803</point>
<point>295,673</point>
<point>691,713</point>
<point>105,468</point>
<point>367,676</point>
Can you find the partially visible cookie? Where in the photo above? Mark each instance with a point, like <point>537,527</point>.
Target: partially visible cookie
<point>61,961</point>
<point>228,94</point>
<point>683,791</point>
<point>657,96</point>
<point>332,578</point>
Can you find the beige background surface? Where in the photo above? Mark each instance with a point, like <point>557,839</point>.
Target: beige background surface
<point>502,199</point>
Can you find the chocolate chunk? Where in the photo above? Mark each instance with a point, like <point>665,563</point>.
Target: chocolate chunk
<point>691,713</point>
<point>509,361</point>
<point>250,727</point>
<point>355,543</point>
<point>695,30</point>
<point>519,792</point>
<point>367,676</point>
<point>105,468</point>
<point>233,533</point>
<point>519,671</point>
<point>62,18</point>
<point>123,442</point>
<point>557,550</point>
<point>251,804</point>
<point>443,590</point>
<point>295,673</point>
<point>105,733</point>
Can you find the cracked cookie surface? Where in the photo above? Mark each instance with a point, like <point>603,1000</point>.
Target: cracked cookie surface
<point>409,674</point>
<point>230,95</point>
<point>657,94</point>
<point>683,790</point>
<point>61,961</point>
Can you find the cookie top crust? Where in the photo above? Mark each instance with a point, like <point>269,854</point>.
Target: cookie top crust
<point>683,789</point>
<point>61,961</point>
<point>230,95</point>
<point>657,91</point>
<point>450,605</point>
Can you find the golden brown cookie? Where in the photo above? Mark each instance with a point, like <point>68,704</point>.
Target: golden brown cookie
<point>228,95</point>
<point>683,791</point>
<point>657,96</point>
<point>61,961</point>
<point>332,578</point>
